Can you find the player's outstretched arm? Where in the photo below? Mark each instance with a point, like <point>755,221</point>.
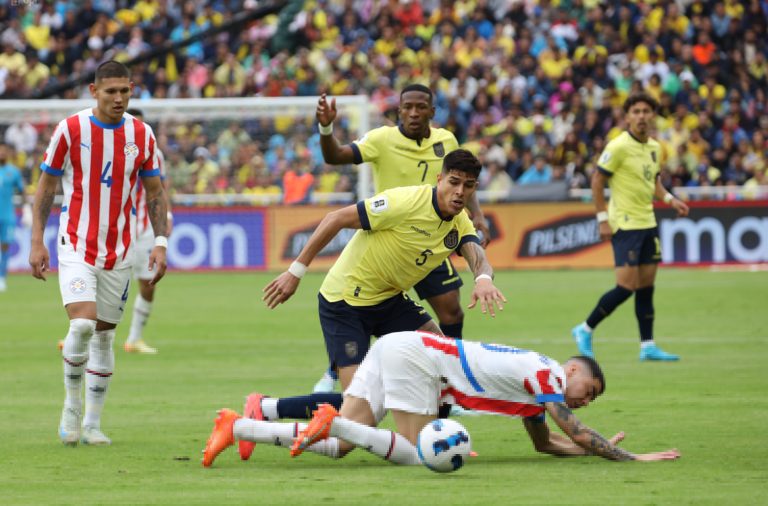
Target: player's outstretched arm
<point>333,152</point>
<point>284,286</point>
<point>485,291</point>
<point>157,210</point>
<point>39,259</point>
<point>553,443</point>
<point>594,443</point>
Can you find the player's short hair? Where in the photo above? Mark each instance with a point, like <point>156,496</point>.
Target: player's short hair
<point>594,369</point>
<point>111,68</point>
<point>417,87</point>
<point>463,161</point>
<point>135,112</point>
<point>642,96</point>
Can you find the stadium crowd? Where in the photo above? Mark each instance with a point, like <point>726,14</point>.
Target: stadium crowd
<point>533,87</point>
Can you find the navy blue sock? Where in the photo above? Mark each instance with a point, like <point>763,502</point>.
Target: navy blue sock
<point>610,300</point>
<point>301,407</point>
<point>452,329</point>
<point>644,312</point>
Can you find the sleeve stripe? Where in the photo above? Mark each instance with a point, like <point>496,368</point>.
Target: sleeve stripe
<point>604,171</point>
<point>357,157</point>
<point>550,398</point>
<point>364,221</point>
<point>468,238</point>
<point>149,172</point>
<point>50,170</point>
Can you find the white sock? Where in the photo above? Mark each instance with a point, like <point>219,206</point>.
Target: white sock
<point>386,444</point>
<point>587,327</point>
<point>101,363</point>
<point>647,344</point>
<point>281,434</point>
<point>142,308</point>
<point>75,355</point>
<point>269,408</point>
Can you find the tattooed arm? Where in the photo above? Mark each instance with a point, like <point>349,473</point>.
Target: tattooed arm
<point>484,290</point>
<point>553,443</point>
<point>157,210</point>
<point>39,259</point>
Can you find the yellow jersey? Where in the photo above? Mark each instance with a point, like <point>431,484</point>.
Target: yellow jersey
<point>398,160</point>
<point>632,167</point>
<point>403,238</point>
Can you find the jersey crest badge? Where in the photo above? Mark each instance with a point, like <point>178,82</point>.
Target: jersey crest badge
<point>131,150</point>
<point>452,239</point>
<point>379,204</point>
<point>439,149</point>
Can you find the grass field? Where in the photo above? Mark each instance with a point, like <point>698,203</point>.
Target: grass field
<point>217,343</point>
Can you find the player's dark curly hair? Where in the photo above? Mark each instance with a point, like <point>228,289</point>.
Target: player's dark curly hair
<point>463,161</point>
<point>641,97</point>
<point>417,87</point>
<point>594,369</point>
<point>111,68</point>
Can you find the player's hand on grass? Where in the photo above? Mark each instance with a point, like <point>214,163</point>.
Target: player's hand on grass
<point>280,289</point>
<point>618,438</point>
<point>666,455</point>
<point>157,263</point>
<point>482,227</point>
<point>326,112</point>
<point>39,260</point>
<point>487,294</point>
<point>605,231</point>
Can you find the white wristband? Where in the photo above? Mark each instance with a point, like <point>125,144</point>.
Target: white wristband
<point>602,216</point>
<point>325,130</point>
<point>162,241</point>
<point>668,198</point>
<point>298,269</point>
<point>483,276</point>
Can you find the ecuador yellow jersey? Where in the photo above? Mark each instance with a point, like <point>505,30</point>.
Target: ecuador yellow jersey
<point>632,167</point>
<point>404,237</point>
<point>397,160</point>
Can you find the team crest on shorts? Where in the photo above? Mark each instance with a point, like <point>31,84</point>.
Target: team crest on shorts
<point>77,286</point>
<point>131,149</point>
<point>452,239</point>
<point>351,349</point>
<point>439,149</point>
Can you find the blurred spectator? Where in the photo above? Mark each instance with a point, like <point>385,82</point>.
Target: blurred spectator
<point>538,173</point>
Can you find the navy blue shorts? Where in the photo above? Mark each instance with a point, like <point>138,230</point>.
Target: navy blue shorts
<point>348,329</point>
<point>442,279</point>
<point>636,247</point>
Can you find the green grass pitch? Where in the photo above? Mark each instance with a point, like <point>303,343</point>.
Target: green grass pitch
<point>217,343</point>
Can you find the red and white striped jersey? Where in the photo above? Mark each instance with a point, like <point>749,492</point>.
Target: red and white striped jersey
<point>143,226</point>
<point>494,378</point>
<point>99,165</point>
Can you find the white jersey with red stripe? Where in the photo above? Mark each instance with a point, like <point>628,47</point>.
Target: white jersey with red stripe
<point>494,378</point>
<point>143,225</point>
<point>100,165</point>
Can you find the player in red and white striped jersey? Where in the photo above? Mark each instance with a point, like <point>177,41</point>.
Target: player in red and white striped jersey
<point>410,373</point>
<point>98,154</point>
<point>142,304</point>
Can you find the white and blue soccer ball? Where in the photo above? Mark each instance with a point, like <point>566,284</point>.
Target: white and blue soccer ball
<point>444,445</point>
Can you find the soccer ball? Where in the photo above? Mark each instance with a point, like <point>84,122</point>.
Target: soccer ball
<point>443,445</point>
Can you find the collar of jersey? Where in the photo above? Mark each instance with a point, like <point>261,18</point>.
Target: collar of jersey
<point>436,207</point>
<point>402,131</point>
<point>108,126</point>
<point>635,138</point>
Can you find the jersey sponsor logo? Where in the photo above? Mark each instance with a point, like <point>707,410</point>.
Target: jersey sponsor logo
<point>131,150</point>
<point>77,286</point>
<point>561,237</point>
<point>604,158</point>
<point>350,348</point>
<point>379,204</point>
<point>439,149</point>
<point>452,239</point>
<point>420,231</point>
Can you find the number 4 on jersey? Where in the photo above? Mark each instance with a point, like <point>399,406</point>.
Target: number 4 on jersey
<point>105,178</point>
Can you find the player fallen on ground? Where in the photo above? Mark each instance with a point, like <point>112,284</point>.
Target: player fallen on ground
<point>630,163</point>
<point>404,234</point>
<point>410,153</point>
<point>98,154</point>
<point>410,373</point>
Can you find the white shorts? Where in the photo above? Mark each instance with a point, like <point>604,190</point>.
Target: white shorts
<point>397,373</point>
<point>143,248</point>
<point>82,282</point>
